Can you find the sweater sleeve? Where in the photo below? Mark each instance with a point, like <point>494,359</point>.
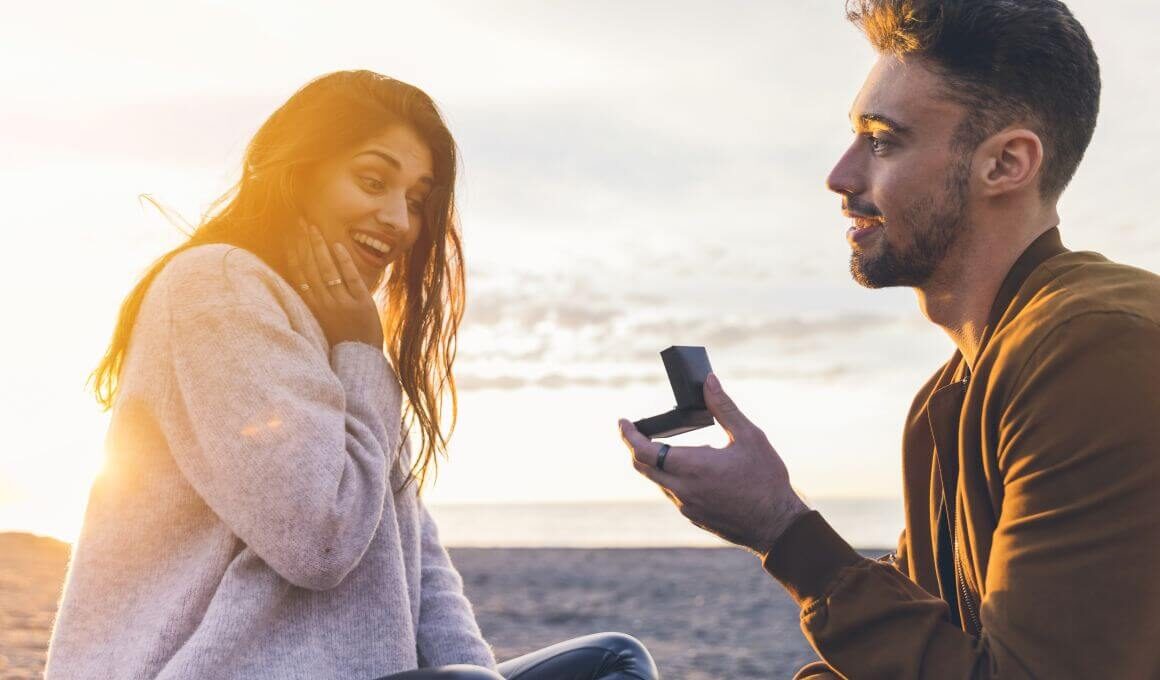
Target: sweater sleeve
<point>448,632</point>
<point>1070,588</point>
<point>289,447</point>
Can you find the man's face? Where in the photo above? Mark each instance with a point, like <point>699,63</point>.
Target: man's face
<point>902,185</point>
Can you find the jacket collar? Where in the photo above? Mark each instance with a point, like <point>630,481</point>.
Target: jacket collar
<point>944,404</point>
<point>1046,246</point>
<point>1043,248</point>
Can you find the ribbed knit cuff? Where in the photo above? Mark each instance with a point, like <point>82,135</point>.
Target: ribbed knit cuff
<point>807,557</point>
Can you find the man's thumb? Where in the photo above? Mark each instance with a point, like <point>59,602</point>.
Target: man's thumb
<point>722,407</point>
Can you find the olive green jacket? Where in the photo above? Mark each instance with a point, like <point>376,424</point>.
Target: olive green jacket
<point>1032,499</point>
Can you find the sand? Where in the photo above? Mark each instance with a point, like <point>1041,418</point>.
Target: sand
<point>31,572</point>
<point>703,612</point>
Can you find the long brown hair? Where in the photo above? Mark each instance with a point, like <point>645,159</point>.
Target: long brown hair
<point>424,292</point>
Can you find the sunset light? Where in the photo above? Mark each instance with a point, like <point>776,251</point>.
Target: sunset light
<point>610,208</point>
<point>606,180</point>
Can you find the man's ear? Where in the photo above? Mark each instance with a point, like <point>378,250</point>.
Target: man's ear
<point>1008,161</point>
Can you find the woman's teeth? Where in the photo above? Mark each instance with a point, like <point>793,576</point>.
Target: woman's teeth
<point>372,242</point>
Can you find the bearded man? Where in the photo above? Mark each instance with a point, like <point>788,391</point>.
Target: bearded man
<point>1031,459</point>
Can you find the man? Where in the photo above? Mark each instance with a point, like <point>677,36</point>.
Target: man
<point>1031,459</point>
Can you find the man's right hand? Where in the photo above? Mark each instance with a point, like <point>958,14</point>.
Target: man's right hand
<point>333,289</point>
<point>740,492</point>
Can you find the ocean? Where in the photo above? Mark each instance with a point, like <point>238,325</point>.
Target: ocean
<point>867,524</point>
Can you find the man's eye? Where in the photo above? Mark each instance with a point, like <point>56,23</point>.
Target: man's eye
<point>878,145</point>
<point>372,184</point>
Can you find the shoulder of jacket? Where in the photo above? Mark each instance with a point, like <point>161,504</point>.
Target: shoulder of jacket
<point>1086,288</point>
<point>1083,295</point>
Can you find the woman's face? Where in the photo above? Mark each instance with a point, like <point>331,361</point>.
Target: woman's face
<point>371,199</point>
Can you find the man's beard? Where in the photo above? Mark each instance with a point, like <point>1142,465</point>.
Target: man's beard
<point>937,222</point>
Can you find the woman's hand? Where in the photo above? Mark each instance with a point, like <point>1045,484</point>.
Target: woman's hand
<point>334,290</point>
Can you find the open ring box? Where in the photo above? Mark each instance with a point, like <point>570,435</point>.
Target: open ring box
<point>688,367</point>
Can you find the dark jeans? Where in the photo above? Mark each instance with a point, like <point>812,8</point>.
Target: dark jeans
<point>601,656</point>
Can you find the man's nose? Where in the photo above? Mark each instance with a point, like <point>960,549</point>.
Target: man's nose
<point>846,176</point>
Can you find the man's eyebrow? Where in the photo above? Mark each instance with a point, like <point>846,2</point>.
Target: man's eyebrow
<point>867,120</point>
<point>393,162</point>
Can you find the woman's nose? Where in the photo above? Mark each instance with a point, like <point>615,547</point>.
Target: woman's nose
<point>393,213</point>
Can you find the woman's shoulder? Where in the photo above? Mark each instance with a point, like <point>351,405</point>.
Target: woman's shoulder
<point>218,273</point>
<point>215,261</point>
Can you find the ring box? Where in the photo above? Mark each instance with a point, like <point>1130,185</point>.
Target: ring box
<point>688,367</point>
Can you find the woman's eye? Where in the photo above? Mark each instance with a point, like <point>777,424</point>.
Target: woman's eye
<point>415,206</point>
<point>372,183</point>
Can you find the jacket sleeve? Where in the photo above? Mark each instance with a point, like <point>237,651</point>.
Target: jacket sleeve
<point>448,632</point>
<point>819,670</point>
<point>287,445</point>
<point>1070,587</point>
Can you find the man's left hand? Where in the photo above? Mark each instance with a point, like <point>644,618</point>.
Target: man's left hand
<point>740,492</point>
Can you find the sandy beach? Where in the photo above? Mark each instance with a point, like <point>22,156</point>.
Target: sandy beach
<point>703,612</point>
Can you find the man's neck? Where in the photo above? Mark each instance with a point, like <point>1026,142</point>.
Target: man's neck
<point>960,295</point>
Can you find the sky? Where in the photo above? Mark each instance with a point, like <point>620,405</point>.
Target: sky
<point>634,175</point>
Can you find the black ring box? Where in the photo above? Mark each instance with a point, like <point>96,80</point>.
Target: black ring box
<point>688,367</point>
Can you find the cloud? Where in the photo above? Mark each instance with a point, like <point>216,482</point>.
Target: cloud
<point>204,130</point>
<point>776,330</point>
<point>515,341</point>
<point>469,381</point>
<point>579,331</point>
<point>472,381</point>
<point>825,373</point>
<point>527,302</point>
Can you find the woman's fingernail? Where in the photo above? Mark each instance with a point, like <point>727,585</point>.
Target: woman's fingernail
<point>713,382</point>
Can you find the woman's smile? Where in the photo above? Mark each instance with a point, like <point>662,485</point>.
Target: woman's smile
<point>376,250</point>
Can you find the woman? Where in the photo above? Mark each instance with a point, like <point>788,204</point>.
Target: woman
<point>258,514</point>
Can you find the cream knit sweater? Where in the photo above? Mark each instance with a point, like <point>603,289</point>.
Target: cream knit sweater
<point>244,525</point>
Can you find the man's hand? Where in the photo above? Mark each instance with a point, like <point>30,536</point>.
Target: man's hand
<point>740,492</point>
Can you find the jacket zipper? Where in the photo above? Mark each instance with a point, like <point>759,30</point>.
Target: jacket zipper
<point>961,580</point>
<point>960,577</point>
